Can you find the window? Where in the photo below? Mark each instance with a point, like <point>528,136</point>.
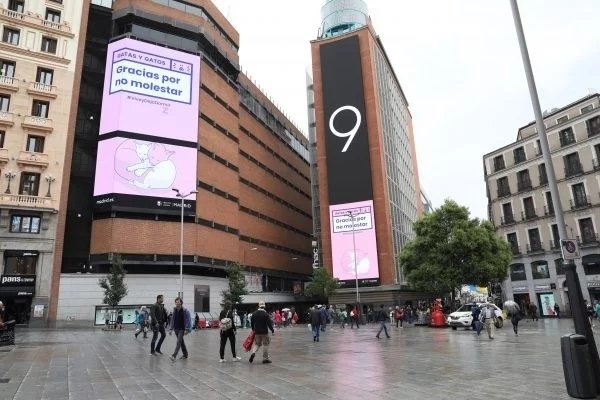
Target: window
<point>25,224</point>
<point>44,75</point>
<point>555,237</point>
<point>11,36</point>
<point>566,137</point>
<point>503,187</point>
<point>7,68</point>
<point>579,196</point>
<point>17,5</point>
<point>543,175</point>
<point>30,184</point>
<point>20,262</point>
<point>507,214</point>
<point>35,144</point>
<point>523,180</point>
<point>499,163</point>
<point>539,270</point>
<point>4,102</point>
<point>52,15</point>
<point>538,150</point>
<point>593,126</point>
<point>572,164</point>
<point>49,45</point>
<point>587,109</point>
<point>519,154</point>
<point>549,207</point>
<point>517,272</point>
<point>529,208</point>
<point>535,244</point>
<point>562,119</point>
<point>560,266</point>
<point>202,298</point>
<point>2,134</point>
<point>586,227</point>
<point>40,108</point>
<point>513,243</point>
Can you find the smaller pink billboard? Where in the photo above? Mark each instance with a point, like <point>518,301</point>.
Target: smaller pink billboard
<point>353,245</point>
<point>143,168</point>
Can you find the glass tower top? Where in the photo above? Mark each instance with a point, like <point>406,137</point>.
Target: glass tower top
<point>342,16</point>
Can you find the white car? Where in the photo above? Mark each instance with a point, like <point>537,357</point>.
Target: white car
<point>462,317</point>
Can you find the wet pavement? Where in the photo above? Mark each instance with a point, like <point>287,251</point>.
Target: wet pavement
<point>415,363</point>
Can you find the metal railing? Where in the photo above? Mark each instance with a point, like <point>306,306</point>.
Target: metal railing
<point>524,184</point>
<point>507,219</point>
<point>548,210</point>
<point>573,168</point>
<point>554,244</point>
<point>580,202</point>
<point>515,249</point>
<point>543,179</point>
<point>35,19</point>
<point>528,214</point>
<point>503,191</point>
<point>590,238</point>
<point>24,200</point>
<point>533,247</point>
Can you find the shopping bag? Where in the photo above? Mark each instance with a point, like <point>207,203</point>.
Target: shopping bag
<point>247,345</point>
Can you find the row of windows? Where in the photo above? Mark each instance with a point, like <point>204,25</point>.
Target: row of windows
<point>276,198</point>
<point>274,221</point>
<point>52,14</point>
<point>566,138</point>
<point>217,158</point>
<point>273,173</point>
<point>9,67</point>
<point>220,100</point>
<point>273,246</point>
<point>540,270</point>
<point>217,191</point>
<point>13,36</point>
<point>34,144</point>
<point>20,223</point>
<point>39,108</point>
<point>29,183</point>
<point>220,128</point>
<point>20,262</point>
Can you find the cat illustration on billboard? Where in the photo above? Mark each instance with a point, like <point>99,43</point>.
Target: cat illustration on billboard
<point>145,165</point>
<point>363,264</point>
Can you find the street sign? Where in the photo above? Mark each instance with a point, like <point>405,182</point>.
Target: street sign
<point>570,249</point>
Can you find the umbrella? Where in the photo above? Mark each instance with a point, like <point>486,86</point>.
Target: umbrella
<point>285,309</point>
<point>511,306</point>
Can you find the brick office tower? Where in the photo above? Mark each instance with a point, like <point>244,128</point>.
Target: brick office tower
<point>369,192</point>
<point>165,106</point>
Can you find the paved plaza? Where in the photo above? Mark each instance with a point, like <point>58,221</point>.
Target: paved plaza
<point>415,363</point>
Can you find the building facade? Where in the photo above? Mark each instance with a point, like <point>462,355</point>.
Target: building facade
<point>366,166</point>
<point>250,169</point>
<point>520,205</point>
<point>39,69</point>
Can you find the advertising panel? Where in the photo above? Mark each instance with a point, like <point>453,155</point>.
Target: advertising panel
<point>547,303</point>
<point>354,243</point>
<point>150,90</point>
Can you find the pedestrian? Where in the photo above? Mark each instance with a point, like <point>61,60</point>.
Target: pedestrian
<point>324,317</point>
<point>475,311</point>
<point>106,319</point>
<point>354,318</point>
<point>557,310</point>
<point>228,331</point>
<point>597,309</point>
<point>196,321</point>
<point>515,317</point>
<point>591,313</point>
<point>331,315</point>
<point>158,319</point>
<point>142,323</point>
<point>343,318</point>
<point>533,312</point>
<point>120,319</point>
<point>261,324</point>
<point>277,319</point>
<point>295,317</point>
<point>382,317</point>
<point>399,315</point>
<point>489,317</point>
<point>315,322</point>
<point>408,312</point>
<point>181,323</point>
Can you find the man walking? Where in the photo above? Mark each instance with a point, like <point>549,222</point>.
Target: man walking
<point>557,310</point>
<point>315,322</point>
<point>382,318</point>
<point>261,324</point>
<point>228,330</point>
<point>181,323</point>
<point>158,317</point>
<point>533,311</point>
<point>489,318</point>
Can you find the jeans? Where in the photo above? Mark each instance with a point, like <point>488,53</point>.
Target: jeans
<point>354,320</point>
<point>316,331</point>
<point>383,327</point>
<point>229,334</point>
<point>155,329</point>
<point>180,344</point>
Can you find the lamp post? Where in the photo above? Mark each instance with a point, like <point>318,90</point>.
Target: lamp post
<point>10,176</point>
<point>352,215</point>
<point>182,197</point>
<point>580,320</point>
<point>49,179</point>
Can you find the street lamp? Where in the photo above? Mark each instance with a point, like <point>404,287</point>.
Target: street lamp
<point>49,179</point>
<point>10,176</point>
<point>352,215</point>
<point>182,197</point>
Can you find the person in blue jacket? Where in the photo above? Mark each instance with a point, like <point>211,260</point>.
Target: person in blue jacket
<point>181,323</point>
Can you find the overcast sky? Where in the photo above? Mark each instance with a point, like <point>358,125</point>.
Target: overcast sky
<point>458,62</point>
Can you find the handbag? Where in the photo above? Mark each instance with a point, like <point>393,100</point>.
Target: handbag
<point>225,324</point>
<point>247,345</point>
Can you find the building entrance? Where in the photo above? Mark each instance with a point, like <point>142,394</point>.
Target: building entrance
<point>523,302</point>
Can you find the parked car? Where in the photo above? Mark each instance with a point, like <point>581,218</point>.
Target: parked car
<point>463,318</point>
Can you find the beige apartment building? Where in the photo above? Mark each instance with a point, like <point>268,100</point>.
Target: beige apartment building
<point>39,42</point>
<point>520,205</point>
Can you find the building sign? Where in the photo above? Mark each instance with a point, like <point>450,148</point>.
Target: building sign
<point>353,239</point>
<point>17,280</point>
<point>315,248</point>
<point>542,287</point>
<point>520,289</point>
<point>148,128</point>
<point>593,284</point>
<point>253,282</point>
<point>297,288</point>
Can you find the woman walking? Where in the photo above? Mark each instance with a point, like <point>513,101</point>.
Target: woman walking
<point>228,331</point>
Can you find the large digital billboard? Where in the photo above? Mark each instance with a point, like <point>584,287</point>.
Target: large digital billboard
<point>350,191</point>
<point>148,128</point>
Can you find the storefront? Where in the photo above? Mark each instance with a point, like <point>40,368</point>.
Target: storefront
<point>16,292</point>
<point>594,289</point>
<point>521,297</point>
<point>546,299</point>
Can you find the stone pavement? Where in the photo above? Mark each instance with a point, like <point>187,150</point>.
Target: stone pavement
<point>416,363</point>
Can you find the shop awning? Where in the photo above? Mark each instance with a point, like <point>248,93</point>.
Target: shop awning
<point>17,291</point>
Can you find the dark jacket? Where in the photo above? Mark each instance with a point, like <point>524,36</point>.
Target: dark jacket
<point>158,314</point>
<point>187,320</point>
<point>228,314</point>
<point>316,318</point>
<point>382,316</point>
<point>261,322</point>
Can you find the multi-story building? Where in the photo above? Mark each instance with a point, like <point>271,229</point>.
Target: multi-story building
<point>520,204</point>
<point>248,164</point>
<point>365,165</point>
<point>39,69</point>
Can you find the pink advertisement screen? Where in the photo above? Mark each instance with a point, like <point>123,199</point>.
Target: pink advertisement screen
<point>342,243</point>
<point>143,168</point>
<point>150,90</point>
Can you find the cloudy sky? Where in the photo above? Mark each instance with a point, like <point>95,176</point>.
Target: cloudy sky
<point>458,62</point>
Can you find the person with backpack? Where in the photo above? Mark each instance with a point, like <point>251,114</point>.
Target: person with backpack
<point>227,331</point>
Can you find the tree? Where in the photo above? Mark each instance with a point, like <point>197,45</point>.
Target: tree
<point>113,284</point>
<point>322,284</point>
<point>451,249</point>
<point>237,284</point>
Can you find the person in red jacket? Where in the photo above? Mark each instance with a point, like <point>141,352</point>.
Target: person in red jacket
<point>354,318</point>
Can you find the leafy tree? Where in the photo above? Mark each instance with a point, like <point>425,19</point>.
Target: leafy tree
<point>113,284</point>
<point>237,284</point>
<point>451,249</point>
<point>322,285</point>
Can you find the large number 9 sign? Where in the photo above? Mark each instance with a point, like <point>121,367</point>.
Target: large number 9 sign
<point>352,132</point>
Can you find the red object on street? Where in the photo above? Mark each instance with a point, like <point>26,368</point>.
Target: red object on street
<point>437,316</point>
<point>247,345</point>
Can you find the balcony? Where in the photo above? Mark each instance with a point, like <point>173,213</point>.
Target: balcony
<point>593,126</point>
<point>524,184</point>
<point>19,200</point>
<point>32,159</point>
<point>37,123</point>
<point>573,168</point>
<point>582,202</point>
<point>507,219</point>
<point>528,214</point>
<point>503,191</point>
<point>6,118</point>
<point>34,21</point>
<point>41,89</point>
<point>499,166</point>
<point>555,245</point>
<point>543,179</point>
<point>9,83</point>
<point>514,249</point>
<point>549,210</point>
<point>588,239</point>
<point>535,248</point>
<point>3,157</point>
